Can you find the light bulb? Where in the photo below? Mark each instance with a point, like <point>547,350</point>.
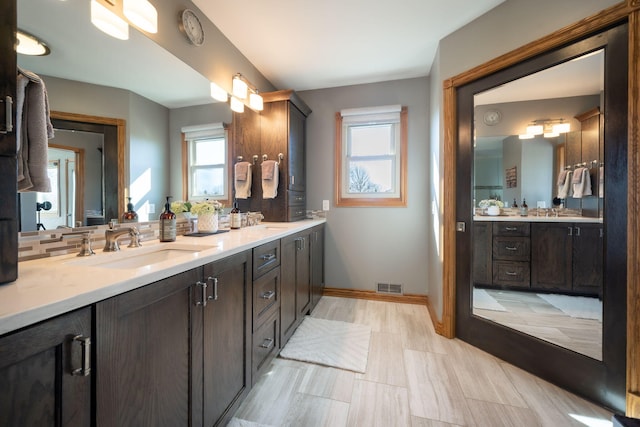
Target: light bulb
<point>108,22</point>
<point>237,105</point>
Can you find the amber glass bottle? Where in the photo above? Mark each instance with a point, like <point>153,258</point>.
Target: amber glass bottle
<point>167,224</point>
<point>235,219</point>
<point>129,215</point>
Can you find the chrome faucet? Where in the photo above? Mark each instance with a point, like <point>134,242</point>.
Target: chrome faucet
<point>111,238</point>
<point>85,249</point>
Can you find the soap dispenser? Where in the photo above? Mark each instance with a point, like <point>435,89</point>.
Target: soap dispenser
<point>129,215</point>
<point>167,223</point>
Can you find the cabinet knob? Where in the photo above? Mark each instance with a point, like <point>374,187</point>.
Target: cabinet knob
<point>268,295</point>
<point>267,343</point>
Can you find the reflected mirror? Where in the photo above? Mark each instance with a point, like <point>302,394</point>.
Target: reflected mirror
<point>80,54</point>
<point>538,142</point>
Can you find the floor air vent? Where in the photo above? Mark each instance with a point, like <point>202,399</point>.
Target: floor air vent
<point>389,288</point>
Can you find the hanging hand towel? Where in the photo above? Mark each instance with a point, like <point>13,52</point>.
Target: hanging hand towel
<point>564,184</point>
<point>601,181</point>
<point>269,179</point>
<point>33,132</point>
<point>581,183</point>
<point>242,181</point>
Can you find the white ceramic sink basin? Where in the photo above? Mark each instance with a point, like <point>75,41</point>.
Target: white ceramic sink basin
<point>136,258</point>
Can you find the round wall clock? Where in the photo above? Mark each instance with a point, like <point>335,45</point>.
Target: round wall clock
<point>190,25</point>
<point>492,117</point>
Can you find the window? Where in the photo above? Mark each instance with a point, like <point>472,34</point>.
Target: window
<point>205,162</point>
<point>371,151</point>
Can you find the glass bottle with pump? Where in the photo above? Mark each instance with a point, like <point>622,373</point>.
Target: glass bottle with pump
<point>235,219</point>
<point>167,224</point>
<point>524,209</point>
<point>515,204</point>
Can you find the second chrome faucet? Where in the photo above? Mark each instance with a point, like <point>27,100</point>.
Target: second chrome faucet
<point>111,238</point>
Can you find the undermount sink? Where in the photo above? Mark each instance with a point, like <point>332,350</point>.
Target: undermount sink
<point>136,258</point>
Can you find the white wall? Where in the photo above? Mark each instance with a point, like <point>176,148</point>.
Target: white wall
<point>510,25</point>
<point>365,246</point>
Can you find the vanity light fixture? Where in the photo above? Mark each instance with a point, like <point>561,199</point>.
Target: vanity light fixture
<point>108,22</point>
<point>239,87</point>
<point>218,93</point>
<point>237,105</point>
<point>549,128</point>
<point>255,101</point>
<point>28,44</point>
<point>142,14</point>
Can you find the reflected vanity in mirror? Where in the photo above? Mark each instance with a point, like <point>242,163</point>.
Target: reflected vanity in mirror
<point>538,140</point>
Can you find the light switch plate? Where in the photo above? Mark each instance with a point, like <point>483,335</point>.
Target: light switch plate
<point>152,208</point>
<point>325,205</point>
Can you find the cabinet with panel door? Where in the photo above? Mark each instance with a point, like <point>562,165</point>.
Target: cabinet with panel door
<point>46,375</point>
<point>295,299</point>
<point>316,247</point>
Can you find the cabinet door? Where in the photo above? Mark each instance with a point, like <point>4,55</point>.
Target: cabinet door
<point>226,337</point>
<point>143,351</point>
<point>297,180</point>
<point>37,364</point>
<point>303,276</point>
<point>482,249</point>
<point>587,258</point>
<point>551,246</point>
<point>288,313</point>
<point>317,264</point>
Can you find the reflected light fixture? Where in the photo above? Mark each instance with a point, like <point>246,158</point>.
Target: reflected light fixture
<point>28,44</point>
<point>549,128</point>
<point>239,87</point>
<point>237,105</point>
<point>108,22</point>
<point>218,93</point>
<point>142,14</point>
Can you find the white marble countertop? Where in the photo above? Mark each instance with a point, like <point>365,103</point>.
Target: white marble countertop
<point>533,218</point>
<point>52,286</point>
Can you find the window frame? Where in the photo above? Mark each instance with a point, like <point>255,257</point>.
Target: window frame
<point>214,131</point>
<point>341,179</point>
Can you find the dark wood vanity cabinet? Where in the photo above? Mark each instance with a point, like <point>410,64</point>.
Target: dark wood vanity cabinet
<point>176,350</point>
<point>316,247</point>
<point>295,286</point>
<point>8,165</point>
<point>45,373</point>
<point>279,129</point>
<point>510,253</point>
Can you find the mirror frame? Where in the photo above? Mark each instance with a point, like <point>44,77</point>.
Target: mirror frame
<point>626,11</point>
<point>112,153</point>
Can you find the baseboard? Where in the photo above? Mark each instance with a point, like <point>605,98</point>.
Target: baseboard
<point>375,296</point>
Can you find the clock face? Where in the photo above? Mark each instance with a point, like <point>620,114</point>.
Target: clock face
<point>191,26</point>
<point>492,117</point>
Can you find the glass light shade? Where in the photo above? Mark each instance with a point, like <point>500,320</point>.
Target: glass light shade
<point>526,136</point>
<point>239,88</point>
<point>551,134</point>
<point>218,93</point>
<point>237,105</point>
<point>30,45</point>
<point>535,129</point>
<point>142,14</point>
<point>255,102</point>
<point>561,128</point>
<point>108,21</point>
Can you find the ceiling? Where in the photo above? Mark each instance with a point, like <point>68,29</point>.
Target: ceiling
<point>310,44</point>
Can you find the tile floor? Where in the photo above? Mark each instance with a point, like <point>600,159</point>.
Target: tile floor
<point>414,378</point>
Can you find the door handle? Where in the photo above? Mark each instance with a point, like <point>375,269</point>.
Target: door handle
<point>85,345</point>
<point>8,114</point>
<point>215,288</point>
<point>203,293</point>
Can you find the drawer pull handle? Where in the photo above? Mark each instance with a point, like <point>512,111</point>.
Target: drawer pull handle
<point>267,343</point>
<point>8,114</point>
<point>267,257</point>
<point>203,291</point>
<point>215,288</point>
<point>510,273</point>
<point>511,228</point>
<point>268,295</point>
<point>511,248</point>
<point>85,344</point>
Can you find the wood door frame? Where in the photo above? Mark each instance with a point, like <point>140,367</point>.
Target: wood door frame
<point>628,10</point>
<point>79,190</point>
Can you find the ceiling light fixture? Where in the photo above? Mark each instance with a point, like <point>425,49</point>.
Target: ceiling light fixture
<point>108,22</point>
<point>142,14</point>
<point>28,44</point>
<point>255,101</point>
<point>549,128</point>
<point>240,88</point>
<point>237,105</point>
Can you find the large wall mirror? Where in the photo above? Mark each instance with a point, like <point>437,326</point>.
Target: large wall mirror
<point>81,55</point>
<point>545,289</point>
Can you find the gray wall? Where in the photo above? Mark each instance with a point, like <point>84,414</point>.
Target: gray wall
<point>365,246</point>
<point>510,25</point>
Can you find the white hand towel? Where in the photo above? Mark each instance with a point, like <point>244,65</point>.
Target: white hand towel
<point>581,184</point>
<point>564,189</point>
<point>601,181</point>
<point>269,179</point>
<point>242,180</point>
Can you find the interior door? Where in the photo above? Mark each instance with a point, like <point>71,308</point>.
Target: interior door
<point>603,380</point>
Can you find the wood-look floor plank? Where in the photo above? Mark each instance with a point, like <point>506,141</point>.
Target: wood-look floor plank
<point>378,405</point>
<point>385,363</point>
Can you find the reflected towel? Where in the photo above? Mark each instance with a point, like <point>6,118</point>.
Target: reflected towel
<point>242,180</point>
<point>33,131</point>
<point>562,177</point>
<point>564,190</point>
<point>601,181</point>
<point>269,179</point>
<point>581,184</point>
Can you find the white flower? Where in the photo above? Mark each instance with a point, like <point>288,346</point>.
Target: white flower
<point>490,202</point>
<point>206,207</point>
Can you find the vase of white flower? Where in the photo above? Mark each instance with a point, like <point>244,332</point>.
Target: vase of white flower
<point>182,209</point>
<point>491,206</point>
<point>207,215</point>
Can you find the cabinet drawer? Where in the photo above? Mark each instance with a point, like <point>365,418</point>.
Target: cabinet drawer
<point>511,273</point>
<point>265,346</point>
<point>511,248</point>
<point>266,296</point>
<point>297,213</point>
<point>511,229</point>
<point>297,198</point>
<point>265,258</point>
